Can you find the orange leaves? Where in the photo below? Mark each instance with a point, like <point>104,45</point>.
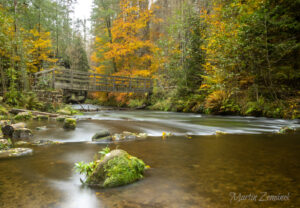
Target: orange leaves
<point>130,47</point>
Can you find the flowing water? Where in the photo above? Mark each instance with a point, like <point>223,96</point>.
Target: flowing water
<point>206,170</point>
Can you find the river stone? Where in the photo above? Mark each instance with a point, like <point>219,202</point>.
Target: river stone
<point>15,152</point>
<point>22,133</point>
<point>117,168</point>
<point>17,131</point>
<point>101,135</point>
<point>70,123</point>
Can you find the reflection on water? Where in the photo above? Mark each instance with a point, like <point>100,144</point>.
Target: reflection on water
<point>197,172</point>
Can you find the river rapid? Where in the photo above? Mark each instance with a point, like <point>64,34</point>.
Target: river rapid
<point>195,167</point>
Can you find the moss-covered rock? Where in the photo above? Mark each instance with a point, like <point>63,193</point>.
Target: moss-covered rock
<point>23,116</point>
<point>116,168</point>
<point>70,123</point>
<point>101,135</point>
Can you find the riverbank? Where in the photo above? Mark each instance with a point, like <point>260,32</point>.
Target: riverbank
<point>262,108</point>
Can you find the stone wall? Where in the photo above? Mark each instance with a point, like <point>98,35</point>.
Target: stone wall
<point>50,96</point>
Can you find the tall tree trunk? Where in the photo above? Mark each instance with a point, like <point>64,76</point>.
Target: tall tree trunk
<point>2,78</point>
<point>108,27</point>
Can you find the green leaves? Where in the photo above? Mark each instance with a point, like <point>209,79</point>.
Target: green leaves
<point>104,151</point>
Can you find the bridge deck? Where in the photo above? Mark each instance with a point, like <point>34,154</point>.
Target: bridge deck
<point>93,82</point>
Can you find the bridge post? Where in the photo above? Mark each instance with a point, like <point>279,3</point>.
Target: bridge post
<point>71,78</point>
<point>53,79</point>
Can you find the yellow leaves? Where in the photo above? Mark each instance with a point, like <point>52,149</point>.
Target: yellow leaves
<point>39,49</point>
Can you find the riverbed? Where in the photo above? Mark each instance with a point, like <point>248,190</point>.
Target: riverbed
<point>195,167</point>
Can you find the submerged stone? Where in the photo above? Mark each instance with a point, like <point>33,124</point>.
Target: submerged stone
<point>40,128</point>
<point>127,136</point>
<point>46,142</point>
<point>221,132</point>
<point>286,130</point>
<point>70,123</point>
<point>116,168</point>
<point>15,152</point>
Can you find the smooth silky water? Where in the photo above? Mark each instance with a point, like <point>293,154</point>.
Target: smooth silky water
<point>203,171</point>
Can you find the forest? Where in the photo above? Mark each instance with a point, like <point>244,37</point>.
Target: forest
<point>227,57</point>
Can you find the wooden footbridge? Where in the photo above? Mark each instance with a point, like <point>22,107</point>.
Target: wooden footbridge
<point>71,80</point>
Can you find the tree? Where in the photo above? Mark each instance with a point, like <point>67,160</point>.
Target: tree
<point>39,50</point>
<point>133,52</point>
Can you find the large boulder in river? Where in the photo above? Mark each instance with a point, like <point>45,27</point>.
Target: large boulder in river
<point>16,131</point>
<point>116,168</point>
<point>70,123</point>
<point>102,135</point>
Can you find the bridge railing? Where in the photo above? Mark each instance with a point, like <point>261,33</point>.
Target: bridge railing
<point>78,80</point>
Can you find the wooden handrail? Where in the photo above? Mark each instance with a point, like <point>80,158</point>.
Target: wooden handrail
<point>78,80</point>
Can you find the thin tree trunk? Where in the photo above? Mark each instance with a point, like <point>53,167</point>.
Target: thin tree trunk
<point>2,78</point>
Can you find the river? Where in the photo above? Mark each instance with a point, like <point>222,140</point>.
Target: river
<point>192,168</point>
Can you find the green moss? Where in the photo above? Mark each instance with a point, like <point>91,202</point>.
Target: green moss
<point>123,170</point>
<point>70,123</point>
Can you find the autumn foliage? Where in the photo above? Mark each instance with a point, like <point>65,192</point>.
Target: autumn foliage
<point>131,48</point>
